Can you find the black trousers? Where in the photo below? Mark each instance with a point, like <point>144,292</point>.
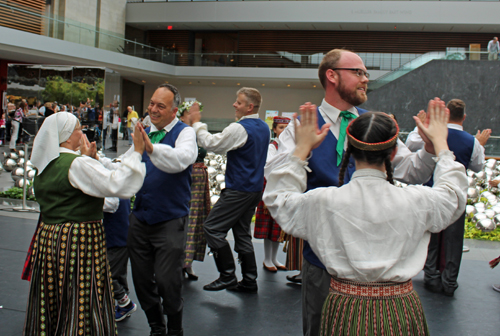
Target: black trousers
<point>118,260</point>
<point>114,137</point>
<point>315,289</point>
<point>104,134</point>
<point>234,210</point>
<point>447,244</point>
<point>157,255</point>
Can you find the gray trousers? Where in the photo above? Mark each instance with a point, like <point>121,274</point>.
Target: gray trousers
<point>157,255</point>
<point>234,210</point>
<point>315,289</point>
<point>447,244</point>
<point>118,260</point>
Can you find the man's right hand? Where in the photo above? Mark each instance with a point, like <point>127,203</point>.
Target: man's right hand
<point>483,136</point>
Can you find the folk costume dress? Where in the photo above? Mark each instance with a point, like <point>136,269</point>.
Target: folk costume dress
<point>372,238</point>
<point>199,208</point>
<point>265,226</point>
<point>70,289</point>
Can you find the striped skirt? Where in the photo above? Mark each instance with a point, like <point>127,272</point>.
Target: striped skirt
<point>70,289</point>
<point>198,212</point>
<point>372,309</point>
<point>294,253</point>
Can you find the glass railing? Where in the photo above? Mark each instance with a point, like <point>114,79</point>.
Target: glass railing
<point>73,31</point>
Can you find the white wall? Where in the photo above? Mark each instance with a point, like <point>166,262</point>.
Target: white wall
<point>322,14</point>
<point>218,101</point>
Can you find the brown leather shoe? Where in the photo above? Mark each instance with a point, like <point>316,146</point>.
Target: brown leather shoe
<point>270,269</point>
<point>282,268</point>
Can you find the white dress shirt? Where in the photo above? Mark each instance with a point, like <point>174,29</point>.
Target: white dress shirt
<point>111,204</point>
<point>232,137</point>
<point>408,167</point>
<point>92,178</point>
<point>414,142</point>
<point>368,230</point>
<point>171,160</point>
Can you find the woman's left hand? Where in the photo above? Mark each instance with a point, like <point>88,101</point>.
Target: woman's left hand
<point>307,135</point>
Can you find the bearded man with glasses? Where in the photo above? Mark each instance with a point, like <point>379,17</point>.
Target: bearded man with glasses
<point>345,80</point>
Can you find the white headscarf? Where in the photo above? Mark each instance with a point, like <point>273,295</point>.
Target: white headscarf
<point>56,129</point>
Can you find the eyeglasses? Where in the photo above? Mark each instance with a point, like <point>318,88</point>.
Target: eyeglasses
<point>359,72</point>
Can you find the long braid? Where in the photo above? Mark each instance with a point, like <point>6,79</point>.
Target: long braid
<point>388,169</point>
<point>343,167</point>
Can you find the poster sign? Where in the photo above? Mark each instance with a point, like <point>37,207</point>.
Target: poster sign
<point>288,114</point>
<point>270,114</point>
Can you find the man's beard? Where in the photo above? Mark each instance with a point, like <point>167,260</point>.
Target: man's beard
<point>353,97</point>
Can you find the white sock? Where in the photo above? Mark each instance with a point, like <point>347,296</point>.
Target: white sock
<point>124,301</point>
<point>268,251</point>
<point>275,246</point>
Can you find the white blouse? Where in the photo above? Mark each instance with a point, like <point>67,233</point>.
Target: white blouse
<point>409,167</point>
<point>367,230</point>
<point>92,178</point>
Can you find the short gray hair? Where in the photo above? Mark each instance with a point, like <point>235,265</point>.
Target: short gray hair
<point>175,91</point>
<point>253,96</point>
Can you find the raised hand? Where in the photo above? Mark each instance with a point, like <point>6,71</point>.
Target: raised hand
<point>86,148</point>
<point>307,134</point>
<point>194,113</point>
<point>483,136</point>
<point>137,136</point>
<point>437,129</point>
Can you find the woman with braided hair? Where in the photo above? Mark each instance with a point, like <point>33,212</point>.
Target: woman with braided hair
<point>371,235</point>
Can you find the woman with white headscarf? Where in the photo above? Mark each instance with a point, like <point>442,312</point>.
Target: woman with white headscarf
<point>70,290</point>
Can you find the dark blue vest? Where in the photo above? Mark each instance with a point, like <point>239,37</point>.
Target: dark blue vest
<point>245,165</point>
<point>116,225</point>
<point>325,173</point>
<point>163,196</point>
<point>461,144</point>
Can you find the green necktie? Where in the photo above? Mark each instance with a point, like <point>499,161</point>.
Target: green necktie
<point>346,118</point>
<point>157,136</point>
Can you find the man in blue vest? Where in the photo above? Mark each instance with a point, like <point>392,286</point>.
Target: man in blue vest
<point>115,221</point>
<point>445,248</point>
<point>158,223</point>
<point>245,142</point>
<point>345,80</point>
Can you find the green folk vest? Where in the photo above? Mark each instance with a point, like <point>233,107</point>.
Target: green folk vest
<point>59,201</point>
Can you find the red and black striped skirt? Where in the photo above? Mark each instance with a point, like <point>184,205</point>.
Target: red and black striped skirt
<point>372,309</point>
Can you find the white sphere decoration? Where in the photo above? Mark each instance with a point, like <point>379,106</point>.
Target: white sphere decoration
<point>491,163</point>
<point>20,162</point>
<point>470,210</point>
<point>480,207</point>
<point>486,225</point>
<point>211,171</point>
<point>9,164</point>
<point>223,167</point>
<point>479,216</point>
<point>31,174</point>
<point>223,185</point>
<point>21,153</point>
<point>20,183</point>
<point>13,156</point>
<point>473,194</point>
<point>214,199</point>
<point>496,220</point>
<point>489,213</point>
<point>220,178</point>
<point>213,163</point>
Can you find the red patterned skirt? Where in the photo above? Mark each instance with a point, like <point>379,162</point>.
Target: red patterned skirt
<point>372,309</point>
<point>265,226</point>
<point>70,289</point>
